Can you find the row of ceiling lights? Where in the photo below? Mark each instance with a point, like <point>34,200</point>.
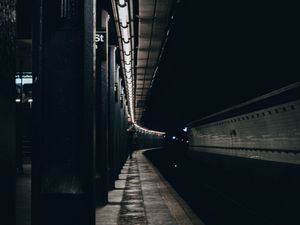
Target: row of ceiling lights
<point>127,52</point>
<point>144,130</point>
<point>126,39</point>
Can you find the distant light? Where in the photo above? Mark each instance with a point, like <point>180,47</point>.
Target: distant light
<point>173,137</point>
<point>185,129</point>
<point>175,165</point>
<point>18,100</point>
<point>30,100</point>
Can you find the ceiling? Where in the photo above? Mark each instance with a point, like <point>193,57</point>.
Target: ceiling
<point>153,24</point>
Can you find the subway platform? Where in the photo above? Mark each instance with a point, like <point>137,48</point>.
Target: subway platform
<point>142,196</point>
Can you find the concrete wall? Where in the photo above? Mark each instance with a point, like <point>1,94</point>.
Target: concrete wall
<point>271,133</point>
<point>272,128</point>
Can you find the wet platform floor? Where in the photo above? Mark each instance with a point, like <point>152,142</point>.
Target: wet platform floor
<point>142,196</point>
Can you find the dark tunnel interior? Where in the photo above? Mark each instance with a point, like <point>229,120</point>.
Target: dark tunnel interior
<point>211,135</point>
<point>221,54</point>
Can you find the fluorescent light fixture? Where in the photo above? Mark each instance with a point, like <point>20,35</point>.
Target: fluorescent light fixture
<point>147,131</point>
<point>127,59</point>
<point>18,100</point>
<point>125,33</point>
<point>123,15</point>
<point>121,2</point>
<point>128,74</point>
<point>127,48</point>
<point>127,67</point>
<point>30,100</point>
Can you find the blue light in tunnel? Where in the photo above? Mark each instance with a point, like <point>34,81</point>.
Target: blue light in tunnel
<point>173,137</point>
<point>185,129</point>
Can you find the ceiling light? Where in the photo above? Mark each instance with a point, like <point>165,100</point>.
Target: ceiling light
<point>127,48</point>
<point>125,34</point>
<point>121,2</point>
<point>127,68</point>
<point>123,15</point>
<point>127,59</point>
<point>128,74</point>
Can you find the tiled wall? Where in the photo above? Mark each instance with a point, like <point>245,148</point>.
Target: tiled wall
<point>275,129</point>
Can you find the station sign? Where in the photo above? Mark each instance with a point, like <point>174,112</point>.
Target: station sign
<point>101,44</point>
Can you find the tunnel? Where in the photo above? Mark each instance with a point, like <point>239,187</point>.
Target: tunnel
<point>149,112</point>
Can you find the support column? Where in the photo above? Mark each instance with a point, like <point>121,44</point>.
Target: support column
<point>117,121</point>
<point>111,117</point>
<point>64,98</point>
<point>102,106</point>
<point>7,112</point>
<point>123,129</point>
